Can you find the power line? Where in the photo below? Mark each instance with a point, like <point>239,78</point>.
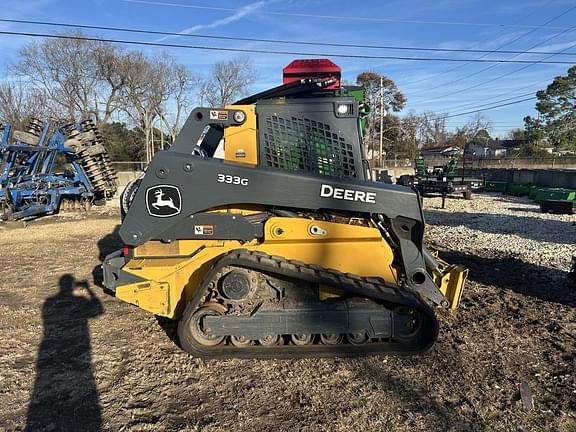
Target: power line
<point>341,17</point>
<point>493,124</point>
<point>486,109</point>
<point>276,41</point>
<point>275,52</point>
<point>474,105</point>
<point>497,48</point>
<point>503,75</point>
<point>496,78</point>
<point>466,77</point>
<point>506,44</point>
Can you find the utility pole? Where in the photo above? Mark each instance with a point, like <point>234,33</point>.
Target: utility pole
<point>147,144</point>
<point>381,119</point>
<point>152,143</point>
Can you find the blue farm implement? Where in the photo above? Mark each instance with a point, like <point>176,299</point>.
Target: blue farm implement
<point>49,168</point>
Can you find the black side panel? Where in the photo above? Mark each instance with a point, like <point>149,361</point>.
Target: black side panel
<point>213,226</point>
<point>205,183</point>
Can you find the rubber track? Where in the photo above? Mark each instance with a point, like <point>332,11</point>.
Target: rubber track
<point>373,288</point>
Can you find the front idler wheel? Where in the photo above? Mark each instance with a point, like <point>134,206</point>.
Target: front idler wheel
<point>411,324</point>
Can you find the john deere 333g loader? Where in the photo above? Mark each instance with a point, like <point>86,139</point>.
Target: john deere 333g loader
<point>261,232</point>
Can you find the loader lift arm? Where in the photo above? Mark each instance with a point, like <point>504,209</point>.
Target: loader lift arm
<point>398,205</point>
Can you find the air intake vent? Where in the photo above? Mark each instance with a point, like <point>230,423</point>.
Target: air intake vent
<point>301,144</point>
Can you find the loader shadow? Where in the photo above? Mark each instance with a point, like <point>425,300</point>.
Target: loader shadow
<point>107,244</point>
<point>65,397</point>
<point>438,414</point>
<point>170,328</point>
<point>449,197</point>
<point>525,209</point>
<point>545,230</point>
<point>512,274</point>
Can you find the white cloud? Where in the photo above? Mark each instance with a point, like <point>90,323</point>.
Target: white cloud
<point>239,14</point>
<point>555,47</point>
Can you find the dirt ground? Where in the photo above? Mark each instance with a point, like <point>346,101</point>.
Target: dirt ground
<point>73,358</point>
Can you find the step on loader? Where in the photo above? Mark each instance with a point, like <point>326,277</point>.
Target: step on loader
<point>261,232</point>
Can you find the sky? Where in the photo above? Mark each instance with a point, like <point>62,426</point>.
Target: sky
<point>451,88</point>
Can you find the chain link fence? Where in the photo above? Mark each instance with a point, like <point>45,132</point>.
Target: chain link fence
<point>128,166</point>
<point>552,162</point>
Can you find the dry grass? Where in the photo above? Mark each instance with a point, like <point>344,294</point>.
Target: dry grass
<point>516,325</point>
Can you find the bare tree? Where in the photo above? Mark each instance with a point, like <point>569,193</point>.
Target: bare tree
<point>466,133</point>
<point>19,102</point>
<point>383,96</point>
<point>81,79</point>
<point>64,69</point>
<point>78,76</point>
<point>147,90</point>
<point>112,74</point>
<point>229,80</point>
<point>180,83</point>
<point>433,131</point>
<point>516,134</point>
<point>409,140</point>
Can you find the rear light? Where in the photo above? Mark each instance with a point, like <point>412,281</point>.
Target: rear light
<point>126,250</point>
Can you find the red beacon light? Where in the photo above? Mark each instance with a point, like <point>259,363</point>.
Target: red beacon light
<point>312,68</point>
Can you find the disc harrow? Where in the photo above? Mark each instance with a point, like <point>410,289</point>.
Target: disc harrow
<point>49,167</point>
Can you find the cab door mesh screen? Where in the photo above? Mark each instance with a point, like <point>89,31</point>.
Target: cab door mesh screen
<point>301,144</point>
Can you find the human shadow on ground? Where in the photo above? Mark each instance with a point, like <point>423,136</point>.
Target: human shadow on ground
<point>547,230</point>
<point>512,274</point>
<point>65,397</point>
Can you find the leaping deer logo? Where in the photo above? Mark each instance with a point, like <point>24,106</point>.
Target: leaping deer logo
<point>161,202</point>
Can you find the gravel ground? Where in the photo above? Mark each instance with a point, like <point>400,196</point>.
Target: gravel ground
<point>73,358</point>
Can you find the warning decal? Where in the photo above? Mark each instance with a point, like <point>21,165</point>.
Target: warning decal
<point>218,115</point>
<point>204,229</point>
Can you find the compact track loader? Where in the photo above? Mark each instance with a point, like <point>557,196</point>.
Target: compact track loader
<point>261,232</point>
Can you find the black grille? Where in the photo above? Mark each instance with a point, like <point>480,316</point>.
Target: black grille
<point>301,144</point>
